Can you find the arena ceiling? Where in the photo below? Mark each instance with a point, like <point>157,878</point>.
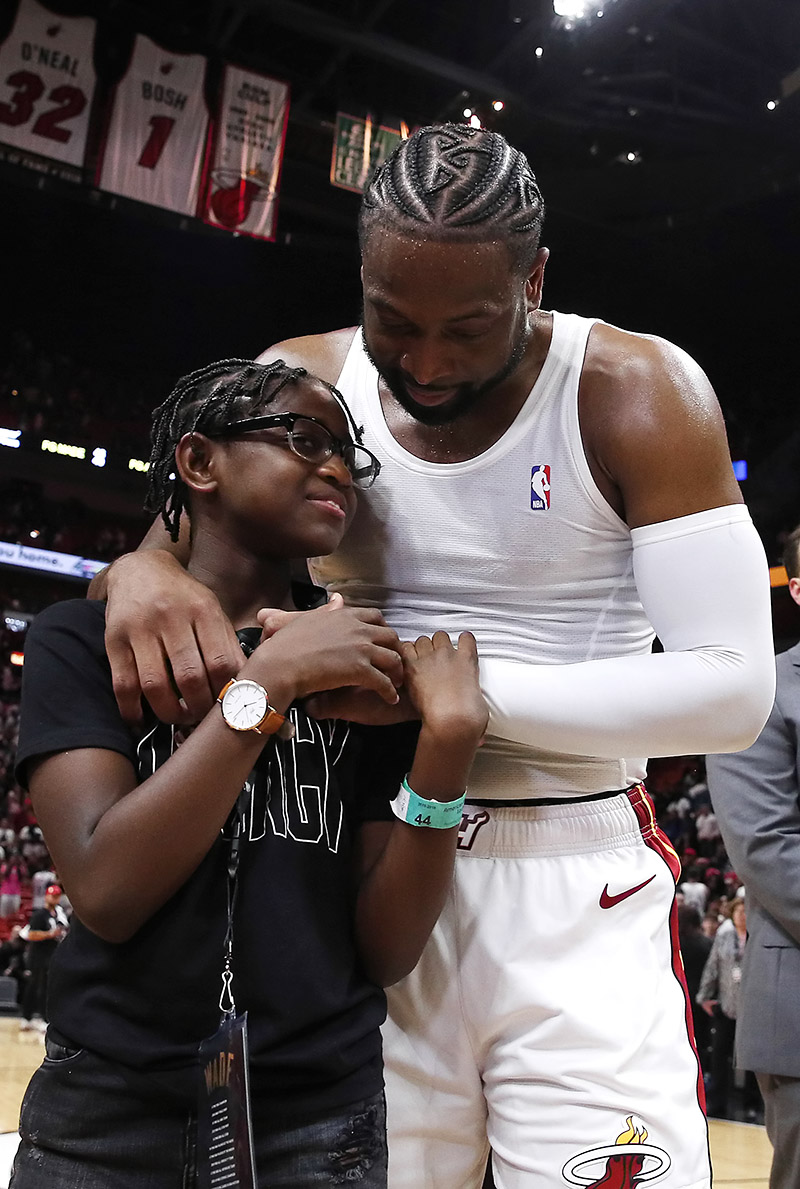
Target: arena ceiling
<point>681,85</point>
<point>695,238</point>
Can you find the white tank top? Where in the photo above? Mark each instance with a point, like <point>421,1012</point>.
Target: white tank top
<point>517,545</point>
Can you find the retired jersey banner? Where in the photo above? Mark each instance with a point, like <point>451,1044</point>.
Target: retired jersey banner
<point>46,83</point>
<point>359,147</point>
<point>156,138</point>
<point>242,182</point>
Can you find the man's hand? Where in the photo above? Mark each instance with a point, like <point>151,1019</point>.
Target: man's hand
<point>167,639</point>
<point>708,1006</point>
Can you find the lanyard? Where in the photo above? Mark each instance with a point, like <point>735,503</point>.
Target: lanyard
<point>227,1004</point>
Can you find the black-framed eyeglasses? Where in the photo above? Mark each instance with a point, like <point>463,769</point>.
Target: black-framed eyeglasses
<point>312,441</point>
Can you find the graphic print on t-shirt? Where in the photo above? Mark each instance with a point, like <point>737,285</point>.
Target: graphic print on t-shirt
<point>306,809</point>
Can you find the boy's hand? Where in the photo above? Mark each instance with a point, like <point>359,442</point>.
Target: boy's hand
<point>326,648</point>
<point>443,684</point>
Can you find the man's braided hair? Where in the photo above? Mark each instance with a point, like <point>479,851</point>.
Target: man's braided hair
<point>206,401</point>
<point>450,182</point>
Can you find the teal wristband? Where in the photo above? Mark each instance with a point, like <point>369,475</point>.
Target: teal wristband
<point>417,811</point>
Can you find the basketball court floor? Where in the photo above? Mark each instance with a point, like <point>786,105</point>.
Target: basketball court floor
<point>740,1152</point>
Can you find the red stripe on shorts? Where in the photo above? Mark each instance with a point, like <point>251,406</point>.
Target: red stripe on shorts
<point>657,840</point>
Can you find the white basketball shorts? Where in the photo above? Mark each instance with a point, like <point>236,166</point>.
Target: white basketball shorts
<point>548,1016</point>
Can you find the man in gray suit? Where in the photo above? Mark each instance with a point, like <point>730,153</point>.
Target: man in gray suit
<point>756,795</point>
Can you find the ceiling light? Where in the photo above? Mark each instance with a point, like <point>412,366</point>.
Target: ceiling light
<point>539,51</point>
<point>498,104</point>
<point>772,104</point>
<point>571,8</point>
<point>467,112</point>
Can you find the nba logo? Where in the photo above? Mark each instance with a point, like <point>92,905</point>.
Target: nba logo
<point>540,488</point>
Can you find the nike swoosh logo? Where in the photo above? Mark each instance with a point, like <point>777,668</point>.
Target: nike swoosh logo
<point>607,901</point>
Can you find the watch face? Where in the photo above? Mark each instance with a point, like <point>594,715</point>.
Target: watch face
<point>244,705</point>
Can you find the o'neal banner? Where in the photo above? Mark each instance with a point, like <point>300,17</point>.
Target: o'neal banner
<point>47,81</point>
<point>154,146</point>
<point>242,181</point>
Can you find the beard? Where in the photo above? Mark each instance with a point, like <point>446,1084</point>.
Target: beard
<point>466,395</point>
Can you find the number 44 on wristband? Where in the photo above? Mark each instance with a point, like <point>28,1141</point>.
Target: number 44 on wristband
<point>409,807</point>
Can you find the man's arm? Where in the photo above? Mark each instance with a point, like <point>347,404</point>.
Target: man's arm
<point>167,638</point>
<point>156,538</point>
<point>656,445</point>
<point>755,797</point>
<point>321,354</point>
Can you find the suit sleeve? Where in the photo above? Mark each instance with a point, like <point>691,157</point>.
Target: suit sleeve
<point>755,796</point>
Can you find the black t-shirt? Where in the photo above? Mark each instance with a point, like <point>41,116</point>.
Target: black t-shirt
<point>147,1003</point>
<point>42,920</point>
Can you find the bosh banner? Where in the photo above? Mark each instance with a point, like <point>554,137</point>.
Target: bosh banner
<point>244,172</point>
<point>156,138</point>
<point>47,82</point>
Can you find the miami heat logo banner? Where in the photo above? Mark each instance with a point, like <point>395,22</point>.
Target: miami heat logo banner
<point>156,137</point>
<point>46,84</point>
<point>242,181</point>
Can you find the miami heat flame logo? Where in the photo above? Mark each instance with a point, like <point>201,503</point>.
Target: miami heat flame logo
<point>232,201</point>
<point>625,1164</point>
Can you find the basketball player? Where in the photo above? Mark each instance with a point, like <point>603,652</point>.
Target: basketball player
<point>256,862</point>
<point>564,489</point>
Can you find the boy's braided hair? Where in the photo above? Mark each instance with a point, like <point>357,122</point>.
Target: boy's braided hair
<point>206,401</point>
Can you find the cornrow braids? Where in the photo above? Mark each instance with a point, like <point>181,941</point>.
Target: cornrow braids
<point>450,182</point>
<point>206,401</point>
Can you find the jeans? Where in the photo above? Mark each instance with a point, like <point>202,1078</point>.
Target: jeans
<point>89,1124</point>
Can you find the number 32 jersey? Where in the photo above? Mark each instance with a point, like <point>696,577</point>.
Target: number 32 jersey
<point>46,84</point>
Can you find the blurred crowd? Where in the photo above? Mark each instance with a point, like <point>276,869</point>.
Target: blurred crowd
<point>49,394</point>
<point>27,517</point>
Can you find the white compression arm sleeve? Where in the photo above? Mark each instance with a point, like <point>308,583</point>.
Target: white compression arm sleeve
<point>704,585</point>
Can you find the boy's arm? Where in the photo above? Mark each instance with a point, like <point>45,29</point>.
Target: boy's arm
<point>406,870</point>
<point>125,848</point>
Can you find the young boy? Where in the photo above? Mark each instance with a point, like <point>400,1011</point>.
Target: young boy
<point>259,855</point>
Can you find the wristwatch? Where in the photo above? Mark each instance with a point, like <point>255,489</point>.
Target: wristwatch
<point>245,707</point>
